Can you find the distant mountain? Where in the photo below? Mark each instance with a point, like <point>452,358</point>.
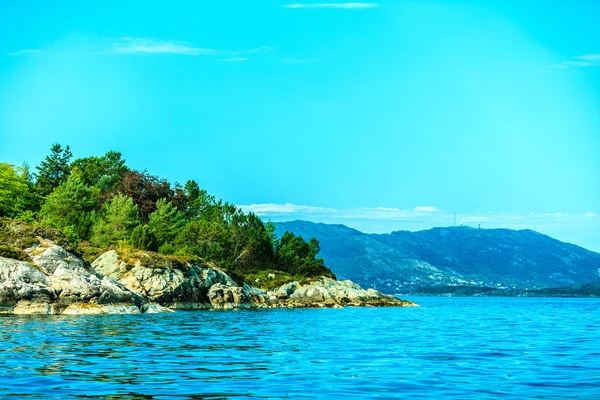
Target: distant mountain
<point>405,262</point>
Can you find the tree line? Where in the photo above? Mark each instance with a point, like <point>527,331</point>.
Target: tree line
<point>99,201</point>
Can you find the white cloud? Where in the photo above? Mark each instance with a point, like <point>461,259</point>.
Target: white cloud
<point>582,61</point>
<point>576,228</point>
<point>150,46</point>
<point>425,214</point>
<point>352,5</point>
<point>278,209</point>
<point>369,213</point>
<point>427,208</point>
<point>590,57</point>
<point>130,45</point>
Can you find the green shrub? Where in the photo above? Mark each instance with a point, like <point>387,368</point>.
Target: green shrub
<point>167,248</point>
<point>71,235</point>
<point>143,238</point>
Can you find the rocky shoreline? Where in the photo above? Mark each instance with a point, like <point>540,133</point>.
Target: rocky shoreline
<point>56,281</point>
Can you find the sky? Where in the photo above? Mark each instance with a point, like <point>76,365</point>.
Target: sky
<point>379,115</point>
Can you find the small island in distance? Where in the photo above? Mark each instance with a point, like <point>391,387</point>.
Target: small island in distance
<point>93,236</point>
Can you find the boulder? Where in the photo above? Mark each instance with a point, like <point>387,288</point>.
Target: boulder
<point>55,280</point>
<point>332,293</point>
<point>178,283</point>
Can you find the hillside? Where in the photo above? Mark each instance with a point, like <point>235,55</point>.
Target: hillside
<point>403,261</point>
<point>98,203</point>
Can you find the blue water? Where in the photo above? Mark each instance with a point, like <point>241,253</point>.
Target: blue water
<point>464,348</point>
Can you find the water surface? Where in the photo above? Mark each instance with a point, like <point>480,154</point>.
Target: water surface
<point>464,348</point>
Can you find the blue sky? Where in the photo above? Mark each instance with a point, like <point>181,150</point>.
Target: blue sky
<point>382,115</point>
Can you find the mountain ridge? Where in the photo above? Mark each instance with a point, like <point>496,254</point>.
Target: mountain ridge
<point>400,261</point>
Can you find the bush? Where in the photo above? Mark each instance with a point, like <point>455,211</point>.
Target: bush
<point>71,235</point>
<point>143,238</point>
<point>167,249</point>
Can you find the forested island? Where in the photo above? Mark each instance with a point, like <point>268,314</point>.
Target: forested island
<point>92,235</point>
<point>98,202</point>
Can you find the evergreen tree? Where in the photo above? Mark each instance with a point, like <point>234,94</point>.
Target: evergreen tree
<point>166,222</point>
<point>204,239</point>
<point>142,238</point>
<point>103,172</point>
<point>70,204</point>
<point>118,218</point>
<point>54,169</point>
<point>197,200</point>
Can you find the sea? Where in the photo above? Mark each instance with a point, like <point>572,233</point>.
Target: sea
<point>461,348</point>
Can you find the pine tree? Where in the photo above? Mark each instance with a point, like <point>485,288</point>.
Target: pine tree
<point>70,204</point>
<point>166,221</point>
<point>118,218</point>
<point>54,169</point>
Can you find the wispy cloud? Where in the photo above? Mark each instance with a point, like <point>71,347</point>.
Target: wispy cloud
<point>233,59</point>
<point>283,209</point>
<point>583,61</point>
<point>152,46</point>
<point>351,5</point>
<point>579,228</point>
<point>427,208</point>
<point>25,52</point>
<point>130,45</point>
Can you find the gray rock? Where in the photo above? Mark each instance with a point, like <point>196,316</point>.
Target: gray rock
<point>330,292</point>
<point>57,282</point>
<point>286,290</point>
<point>179,285</point>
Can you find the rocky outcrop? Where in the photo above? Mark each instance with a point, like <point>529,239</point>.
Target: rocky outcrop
<point>55,281</point>
<point>177,284</point>
<point>328,292</point>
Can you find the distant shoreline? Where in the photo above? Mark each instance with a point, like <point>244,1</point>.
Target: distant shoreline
<point>587,290</point>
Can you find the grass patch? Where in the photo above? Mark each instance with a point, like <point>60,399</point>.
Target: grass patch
<point>20,235</point>
<point>272,279</point>
<point>14,253</point>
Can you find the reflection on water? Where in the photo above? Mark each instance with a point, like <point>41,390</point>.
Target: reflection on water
<point>451,347</point>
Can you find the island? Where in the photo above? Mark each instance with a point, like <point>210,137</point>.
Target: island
<point>92,236</point>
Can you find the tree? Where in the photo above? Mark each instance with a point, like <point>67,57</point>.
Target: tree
<point>54,169</point>
<point>297,256</point>
<point>70,204</point>
<point>204,239</point>
<point>145,190</point>
<point>118,217</point>
<point>250,241</point>
<point>198,200</point>
<point>14,192</point>
<point>142,238</point>
<point>166,222</point>
<point>103,172</point>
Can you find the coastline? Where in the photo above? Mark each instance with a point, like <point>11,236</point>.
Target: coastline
<point>56,281</point>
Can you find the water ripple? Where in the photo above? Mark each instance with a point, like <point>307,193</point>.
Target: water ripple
<point>463,348</point>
